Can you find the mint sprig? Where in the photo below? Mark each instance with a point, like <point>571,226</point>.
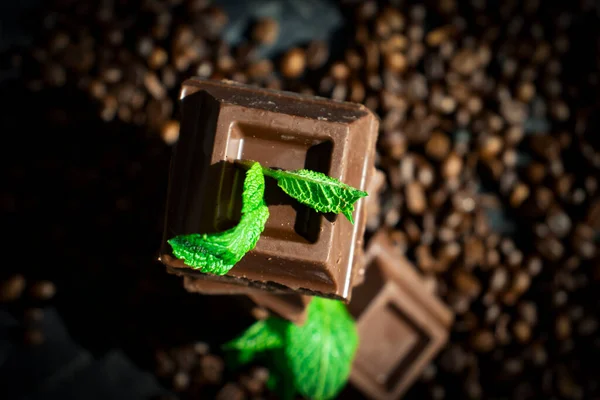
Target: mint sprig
<point>316,190</point>
<point>313,359</point>
<point>217,253</point>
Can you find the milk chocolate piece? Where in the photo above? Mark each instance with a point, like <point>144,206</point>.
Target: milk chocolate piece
<point>401,324</point>
<point>300,250</point>
<point>288,306</point>
<point>292,307</point>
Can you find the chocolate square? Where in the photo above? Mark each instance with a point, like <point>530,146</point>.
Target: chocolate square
<point>300,250</point>
<point>401,324</point>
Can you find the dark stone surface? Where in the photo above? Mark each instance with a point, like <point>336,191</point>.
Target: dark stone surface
<point>299,21</point>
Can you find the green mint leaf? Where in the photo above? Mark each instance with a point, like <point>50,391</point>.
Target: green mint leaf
<point>281,380</point>
<point>317,190</point>
<point>274,381</point>
<point>319,354</point>
<point>236,359</point>
<point>261,336</point>
<point>217,253</point>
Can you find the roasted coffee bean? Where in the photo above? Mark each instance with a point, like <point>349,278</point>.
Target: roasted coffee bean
<point>266,31</point>
<point>293,63</point>
<point>43,290</point>
<point>12,288</point>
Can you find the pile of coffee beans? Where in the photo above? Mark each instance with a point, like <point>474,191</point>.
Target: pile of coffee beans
<point>487,145</point>
<point>192,372</point>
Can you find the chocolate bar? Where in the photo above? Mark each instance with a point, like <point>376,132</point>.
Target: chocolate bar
<point>401,324</point>
<point>288,306</point>
<point>300,250</point>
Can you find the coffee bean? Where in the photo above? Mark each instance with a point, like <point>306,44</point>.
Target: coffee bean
<point>34,337</point>
<point>396,62</point>
<point>438,36</point>
<point>562,327</point>
<point>491,147</point>
<point>158,58</point>
<point>266,31</point>
<point>467,283</point>
<point>181,381</point>
<point>293,63</point>
<point>559,223</point>
<point>452,166</point>
<point>43,290</point>
<point>11,289</point>
<point>482,341</point>
<point>260,69</point>
<point>415,198</point>
<point>211,22</point>
<point>519,194</point>
<point>499,279</point>
<point>522,331</point>
<point>170,132</point>
<point>165,366</point>
<point>474,252</point>
<point>230,391</point>
<point>438,145</point>
<point>154,86</point>
<point>425,259</point>
<point>212,368</point>
<point>201,348</point>
<point>453,359</point>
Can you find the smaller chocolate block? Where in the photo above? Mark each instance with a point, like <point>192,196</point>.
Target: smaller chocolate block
<point>401,325</point>
<point>288,306</point>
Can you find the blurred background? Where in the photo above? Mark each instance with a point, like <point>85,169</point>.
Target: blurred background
<point>489,144</point>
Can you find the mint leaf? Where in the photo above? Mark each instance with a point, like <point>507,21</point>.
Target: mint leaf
<point>235,359</point>
<point>319,354</point>
<point>317,190</point>
<point>282,381</point>
<point>261,336</point>
<point>313,359</point>
<point>217,253</point>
